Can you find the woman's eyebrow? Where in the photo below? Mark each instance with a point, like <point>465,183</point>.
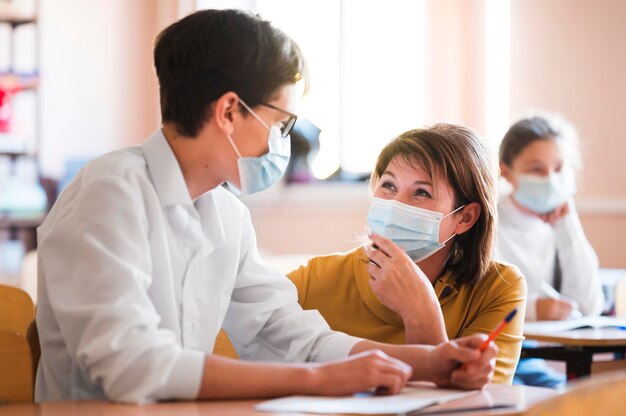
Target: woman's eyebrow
<point>422,183</point>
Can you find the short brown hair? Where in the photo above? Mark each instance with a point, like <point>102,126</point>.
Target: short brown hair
<point>459,155</point>
<point>211,52</point>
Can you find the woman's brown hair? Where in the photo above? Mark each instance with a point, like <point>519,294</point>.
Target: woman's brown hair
<point>460,157</point>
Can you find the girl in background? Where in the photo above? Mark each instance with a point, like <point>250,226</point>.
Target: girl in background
<point>539,230</point>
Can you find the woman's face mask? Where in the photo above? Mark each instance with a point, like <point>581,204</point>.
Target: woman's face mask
<point>259,173</point>
<point>415,230</point>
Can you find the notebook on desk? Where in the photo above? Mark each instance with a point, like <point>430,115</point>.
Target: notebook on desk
<point>594,322</point>
<point>410,399</point>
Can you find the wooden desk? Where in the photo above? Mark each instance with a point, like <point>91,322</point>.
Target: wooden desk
<point>577,348</point>
<point>522,396</point>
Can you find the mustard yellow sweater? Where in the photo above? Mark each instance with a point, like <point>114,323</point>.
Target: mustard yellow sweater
<point>338,286</point>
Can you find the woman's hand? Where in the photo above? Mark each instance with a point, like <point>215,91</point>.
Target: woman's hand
<point>402,286</point>
<point>460,363</point>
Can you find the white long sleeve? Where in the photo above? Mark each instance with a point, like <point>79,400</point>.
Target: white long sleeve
<point>533,245</point>
<point>579,264</point>
<point>136,280</point>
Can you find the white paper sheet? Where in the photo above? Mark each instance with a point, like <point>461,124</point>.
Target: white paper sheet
<point>411,398</point>
<point>550,327</point>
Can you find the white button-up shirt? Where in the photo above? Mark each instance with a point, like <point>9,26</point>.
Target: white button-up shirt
<point>136,279</point>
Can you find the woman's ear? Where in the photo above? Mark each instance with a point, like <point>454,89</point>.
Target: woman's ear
<point>469,215</point>
<point>226,112</point>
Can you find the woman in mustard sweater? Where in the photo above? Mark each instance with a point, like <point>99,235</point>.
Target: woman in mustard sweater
<point>427,273</point>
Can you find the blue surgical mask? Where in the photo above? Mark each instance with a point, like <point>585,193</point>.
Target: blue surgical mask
<point>543,194</point>
<point>259,173</point>
<point>415,230</point>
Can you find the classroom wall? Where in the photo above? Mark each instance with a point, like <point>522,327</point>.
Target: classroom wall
<point>566,56</point>
<point>569,56</point>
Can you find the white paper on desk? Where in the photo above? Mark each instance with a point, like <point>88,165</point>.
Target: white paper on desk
<point>411,398</point>
<point>550,327</point>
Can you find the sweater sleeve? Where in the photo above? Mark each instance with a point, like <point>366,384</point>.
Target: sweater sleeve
<point>579,264</point>
<point>507,291</point>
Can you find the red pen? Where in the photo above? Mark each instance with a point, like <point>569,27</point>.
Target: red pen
<point>497,331</point>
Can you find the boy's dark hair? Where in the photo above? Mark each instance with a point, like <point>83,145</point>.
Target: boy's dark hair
<point>211,52</point>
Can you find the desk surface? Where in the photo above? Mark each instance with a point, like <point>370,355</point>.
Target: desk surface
<point>522,396</point>
<point>604,337</point>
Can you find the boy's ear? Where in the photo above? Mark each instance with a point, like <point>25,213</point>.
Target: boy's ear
<point>226,111</point>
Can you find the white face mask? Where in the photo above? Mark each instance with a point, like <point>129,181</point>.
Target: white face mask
<point>415,230</point>
<point>543,194</point>
<point>259,173</point>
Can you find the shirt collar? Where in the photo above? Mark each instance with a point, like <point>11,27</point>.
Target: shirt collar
<point>165,171</point>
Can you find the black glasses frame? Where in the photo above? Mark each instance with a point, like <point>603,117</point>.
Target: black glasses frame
<point>287,126</point>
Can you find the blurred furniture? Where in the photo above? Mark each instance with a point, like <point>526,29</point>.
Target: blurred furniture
<point>597,396</point>
<point>16,374</point>
<point>519,398</point>
<point>305,145</point>
<point>28,275</point>
<point>620,293</point>
<point>613,294</point>
<point>577,348</point>
<point>22,193</point>
<point>32,337</point>
<point>16,310</point>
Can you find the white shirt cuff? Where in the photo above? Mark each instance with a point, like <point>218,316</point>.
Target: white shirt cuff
<point>336,346</point>
<point>186,376</point>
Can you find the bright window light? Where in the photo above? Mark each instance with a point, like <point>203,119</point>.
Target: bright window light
<point>367,71</point>
<point>498,69</point>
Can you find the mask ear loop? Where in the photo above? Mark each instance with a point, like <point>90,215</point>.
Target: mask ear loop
<point>255,115</point>
<point>232,143</point>
<point>452,212</point>
<point>448,214</point>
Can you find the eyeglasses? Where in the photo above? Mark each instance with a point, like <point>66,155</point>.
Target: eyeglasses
<point>286,126</point>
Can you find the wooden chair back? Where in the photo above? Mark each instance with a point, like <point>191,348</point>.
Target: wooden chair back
<point>16,374</point>
<point>16,310</point>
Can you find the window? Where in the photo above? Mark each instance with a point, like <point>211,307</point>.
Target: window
<point>381,67</point>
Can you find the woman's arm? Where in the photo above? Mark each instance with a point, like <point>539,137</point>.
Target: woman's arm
<point>442,364</point>
<point>402,286</point>
<point>503,290</point>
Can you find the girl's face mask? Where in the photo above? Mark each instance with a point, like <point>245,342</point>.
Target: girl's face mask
<point>543,194</point>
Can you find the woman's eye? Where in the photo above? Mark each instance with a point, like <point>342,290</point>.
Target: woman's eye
<point>422,192</point>
<point>389,185</point>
